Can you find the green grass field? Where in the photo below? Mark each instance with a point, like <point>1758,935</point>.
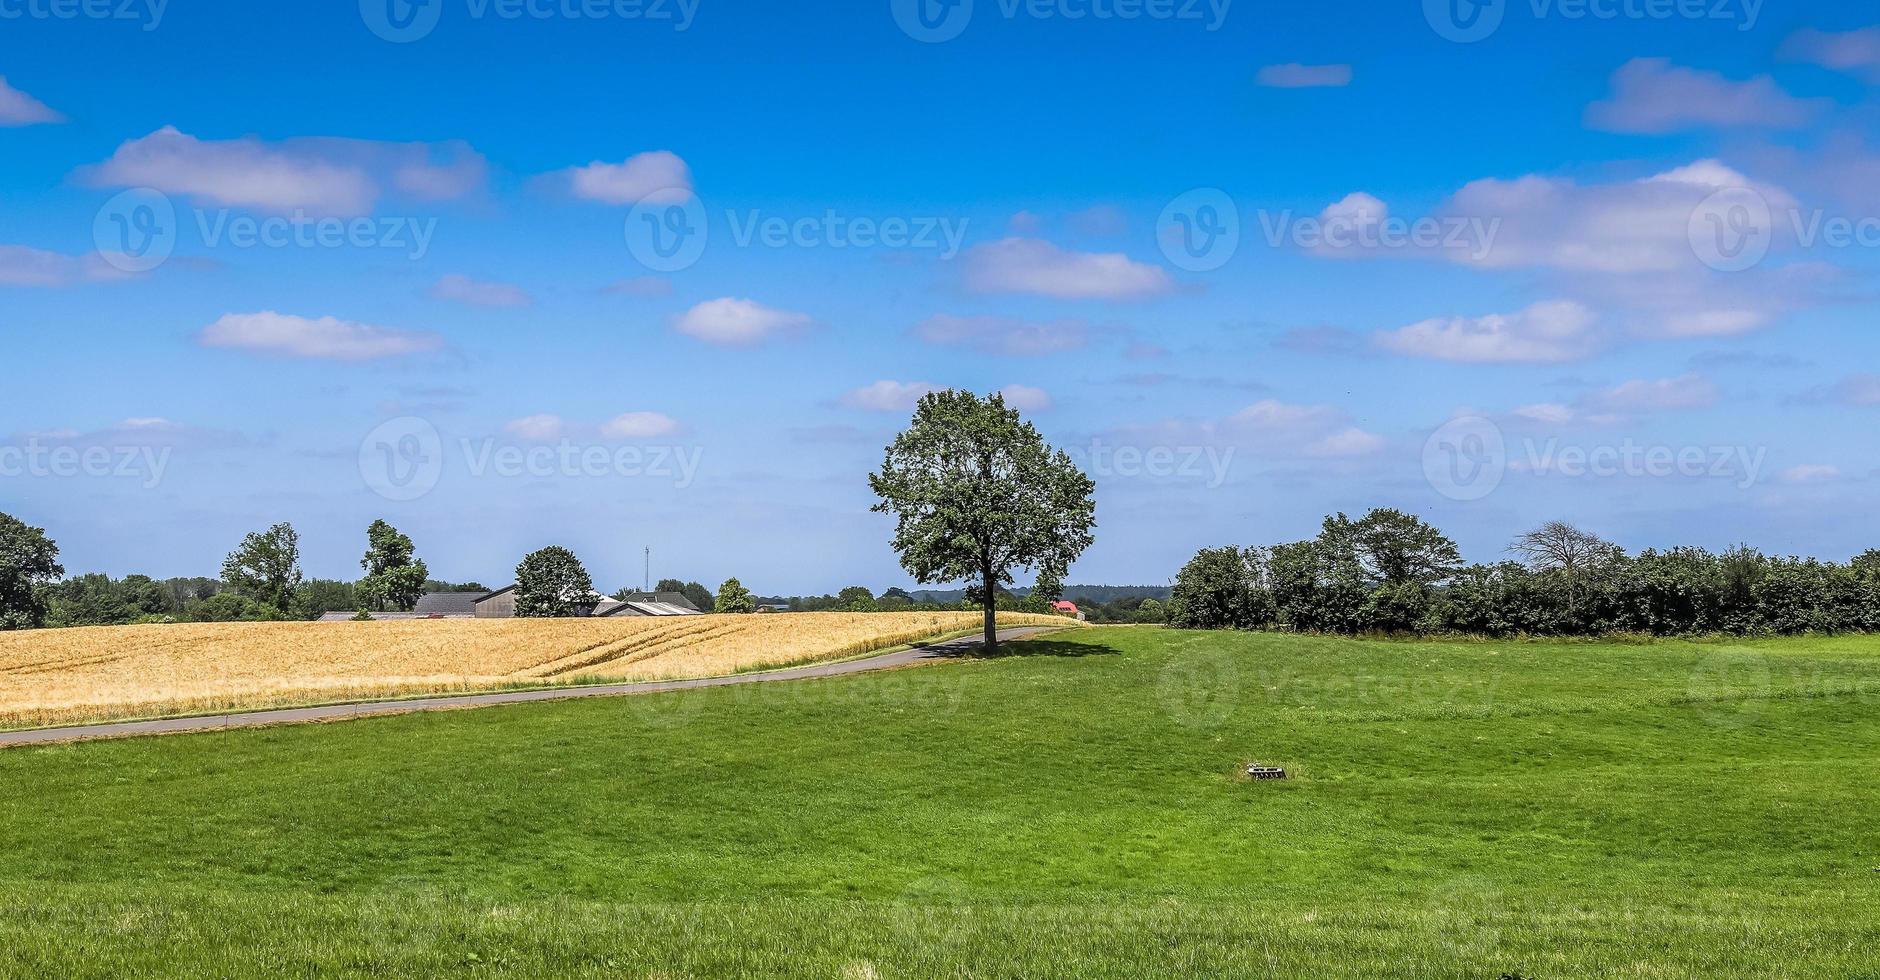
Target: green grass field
<point>1458,809</point>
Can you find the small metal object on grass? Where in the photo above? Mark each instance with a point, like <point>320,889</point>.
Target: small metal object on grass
<point>1265,772</point>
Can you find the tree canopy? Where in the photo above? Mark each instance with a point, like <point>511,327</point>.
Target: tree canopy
<point>552,582</point>
<point>28,561</point>
<point>266,568</point>
<point>394,577</point>
<point>977,493</point>
<point>733,597</point>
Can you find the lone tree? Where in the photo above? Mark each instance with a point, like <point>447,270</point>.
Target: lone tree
<point>393,576</point>
<point>29,561</point>
<point>552,582</point>
<point>733,597</point>
<point>977,493</point>
<point>1557,546</point>
<point>266,568</point>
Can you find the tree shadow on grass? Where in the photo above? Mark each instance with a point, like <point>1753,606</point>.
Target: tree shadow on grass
<point>1029,648</point>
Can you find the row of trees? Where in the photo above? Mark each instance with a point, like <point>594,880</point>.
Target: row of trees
<point>1390,572</point>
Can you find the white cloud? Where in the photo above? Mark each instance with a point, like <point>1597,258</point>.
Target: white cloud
<point>1304,76</point>
<point>1550,413</point>
<point>639,425</point>
<point>1690,391</point>
<point>474,292</point>
<point>1809,473</point>
<point>1651,95</point>
<point>1855,52</point>
<point>1273,415</point>
<point>737,322</point>
<point>1036,267</point>
<point>326,338</point>
<point>1004,335</point>
<point>537,428</point>
<point>1026,398</point>
<point>19,109</point>
<point>1347,442</point>
<point>658,177</point>
<point>889,396</point>
<point>1544,333</point>
<point>23,266</point>
<point>318,175</point>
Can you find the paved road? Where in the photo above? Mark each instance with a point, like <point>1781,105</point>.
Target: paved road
<point>340,712</point>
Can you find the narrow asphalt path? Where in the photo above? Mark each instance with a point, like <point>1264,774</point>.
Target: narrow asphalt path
<point>341,712</point>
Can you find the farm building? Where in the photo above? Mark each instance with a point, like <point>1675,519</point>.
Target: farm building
<point>501,604</point>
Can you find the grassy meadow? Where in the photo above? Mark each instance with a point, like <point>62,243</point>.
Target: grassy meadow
<point>1074,808</point>
<point>97,673</point>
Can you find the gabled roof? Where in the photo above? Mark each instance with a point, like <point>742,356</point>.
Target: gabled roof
<point>448,603</point>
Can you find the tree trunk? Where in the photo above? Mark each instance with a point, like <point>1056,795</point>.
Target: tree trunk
<point>992,621</point>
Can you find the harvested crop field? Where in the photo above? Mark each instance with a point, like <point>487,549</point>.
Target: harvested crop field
<point>50,677</point>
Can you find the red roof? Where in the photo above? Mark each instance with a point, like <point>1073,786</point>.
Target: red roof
<point>1064,606</point>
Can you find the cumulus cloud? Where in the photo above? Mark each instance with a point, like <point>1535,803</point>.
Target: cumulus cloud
<point>33,267</point>
<point>318,175</point>
<point>1683,393</point>
<point>888,396</point>
<point>639,425</point>
<point>1026,398</point>
<point>1347,442</point>
<point>1304,76</point>
<point>1036,267</point>
<point>475,292</point>
<point>325,338</point>
<point>1544,333</point>
<point>737,322</point>
<point>1003,335</point>
<point>657,177</point>
<point>1651,95</point>
<point>1854,52</point>
<point>537,428</point>
<point>19,109</point>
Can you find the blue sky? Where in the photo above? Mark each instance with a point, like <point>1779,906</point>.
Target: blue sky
<point>1537,304</point>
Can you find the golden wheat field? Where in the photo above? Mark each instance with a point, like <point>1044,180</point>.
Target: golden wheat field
<point>50,677</point>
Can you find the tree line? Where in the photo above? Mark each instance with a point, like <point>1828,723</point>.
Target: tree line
<point>1391,572</point>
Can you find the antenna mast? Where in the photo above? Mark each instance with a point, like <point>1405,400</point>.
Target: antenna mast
<point>646,584</point>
